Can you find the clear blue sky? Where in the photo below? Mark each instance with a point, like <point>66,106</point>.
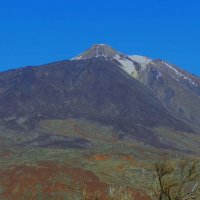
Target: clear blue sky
<point>41,31</point>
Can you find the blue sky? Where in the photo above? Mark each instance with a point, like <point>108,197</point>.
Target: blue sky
<point>41,31</point>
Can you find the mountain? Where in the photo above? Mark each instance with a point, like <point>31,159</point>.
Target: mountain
<point>177,90</point>
<point>133,95</point>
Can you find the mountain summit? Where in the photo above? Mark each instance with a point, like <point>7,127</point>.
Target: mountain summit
<point>106,52</point>
<point>98,51</point>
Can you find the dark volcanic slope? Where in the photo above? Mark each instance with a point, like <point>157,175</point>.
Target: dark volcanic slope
<point>178,90</point>
<point>94,89</point>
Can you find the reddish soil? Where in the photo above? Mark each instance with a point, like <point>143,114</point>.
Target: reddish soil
<point>100,157</point>
<point>48,178</point>
<point>138,195</point>
<point>20,181</point>
<point>120,167</point>
<point>127,158</point>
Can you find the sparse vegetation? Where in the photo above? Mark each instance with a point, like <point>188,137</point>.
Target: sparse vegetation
<point>114,193</point>
<point>108,163</point>
<point>120,193</point>
<point>86,195</point>
<point>174,180</point>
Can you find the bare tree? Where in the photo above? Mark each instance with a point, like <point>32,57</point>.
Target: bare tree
<point>178,181</point>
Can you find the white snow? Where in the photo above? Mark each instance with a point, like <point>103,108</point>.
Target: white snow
<point>97,53</point>
<point>77,58</point>
<point>127,64</point>
<point>180,74</point>
<point>158,74</point>
<point>142,60</point>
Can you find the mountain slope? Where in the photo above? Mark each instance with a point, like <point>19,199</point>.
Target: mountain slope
<point>139,98</point>
<point>177,90</point>
<point>94,89</point>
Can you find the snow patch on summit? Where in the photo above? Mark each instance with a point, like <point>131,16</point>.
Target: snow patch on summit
<point>77,58</point>
<point>97,51</point>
